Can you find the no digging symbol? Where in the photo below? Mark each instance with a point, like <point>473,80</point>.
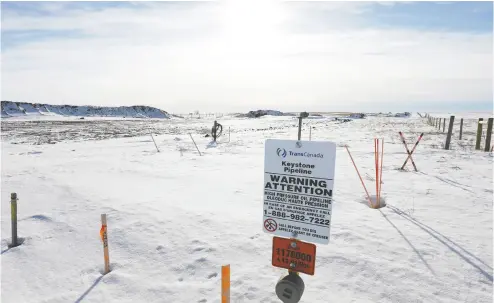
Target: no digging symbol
<point>270,225</point>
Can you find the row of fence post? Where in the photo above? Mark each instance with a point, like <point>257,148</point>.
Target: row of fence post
<point>438,122</point>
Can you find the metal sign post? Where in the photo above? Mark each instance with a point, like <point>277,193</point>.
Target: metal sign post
<point>302,115</point>
<point>298,190</point>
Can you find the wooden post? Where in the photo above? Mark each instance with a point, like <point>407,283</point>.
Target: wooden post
<point>195,144</point>
<point>450,131</point>
<point>299,128</point>
<point>225,284</point>
<point>444,124</point>
<point>487,146</point>
<point>13,215</point>
<point>479,134</point>
<point>104,237</point>
<point>310,133</point>
<point>213,133</point>
<point>461,127</point>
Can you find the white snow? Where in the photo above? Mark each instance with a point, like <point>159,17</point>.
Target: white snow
<point>175,217</point>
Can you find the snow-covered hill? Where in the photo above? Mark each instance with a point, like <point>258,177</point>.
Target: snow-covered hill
<point>260,112</point>
<point>19,109</point>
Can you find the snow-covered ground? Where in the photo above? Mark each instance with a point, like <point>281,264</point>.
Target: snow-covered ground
<point>175,217</point>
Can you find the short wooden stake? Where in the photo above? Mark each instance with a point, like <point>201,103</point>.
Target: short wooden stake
<point>444,124</point>
<point>104,237</point>
<point>310,133</point>
<point>195,144</point>
<point>225,284</point>
<point>488,135</point>
<point>461,127</point>
<point>479,134</point>
<point>450,131</point>
<point>13,215</point>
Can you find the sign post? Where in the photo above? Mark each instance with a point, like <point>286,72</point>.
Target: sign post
<point>298,192</point>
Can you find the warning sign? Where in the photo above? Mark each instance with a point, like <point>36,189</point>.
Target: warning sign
<point>270,225</point>
<point>298,189</point>
<point>294,255</point>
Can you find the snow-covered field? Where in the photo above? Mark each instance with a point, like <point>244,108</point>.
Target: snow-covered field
<point>175,217</point>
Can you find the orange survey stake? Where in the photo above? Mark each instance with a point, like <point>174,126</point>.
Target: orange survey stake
<point>294,255</point>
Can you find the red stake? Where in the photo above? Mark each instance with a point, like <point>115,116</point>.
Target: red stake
<point>363,184</point>
<point>381,176</point>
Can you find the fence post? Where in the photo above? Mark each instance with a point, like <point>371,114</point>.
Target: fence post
<point>195,144</point>
<point>488,135</point>
<point>444,124</point>
<point>461,127</point>
<point>13,214</point>
<point>154,142</point>
<point>310,132</point>
<point>450,131</point>
<point>479,134</point>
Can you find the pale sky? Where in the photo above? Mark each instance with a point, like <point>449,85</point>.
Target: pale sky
<point>242,55</point>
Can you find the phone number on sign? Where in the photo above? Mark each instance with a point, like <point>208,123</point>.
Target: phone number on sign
<point>283,215</point>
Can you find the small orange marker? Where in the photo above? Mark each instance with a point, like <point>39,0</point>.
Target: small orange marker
<point>225,284</point>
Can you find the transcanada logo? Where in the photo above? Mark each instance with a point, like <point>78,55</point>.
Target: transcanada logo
<point>281,152</point>
<point>306,155</point>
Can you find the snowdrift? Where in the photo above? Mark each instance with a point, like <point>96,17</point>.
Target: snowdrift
<point>20,109</point>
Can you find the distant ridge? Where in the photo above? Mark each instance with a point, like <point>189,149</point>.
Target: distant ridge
<point>19,109</point>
